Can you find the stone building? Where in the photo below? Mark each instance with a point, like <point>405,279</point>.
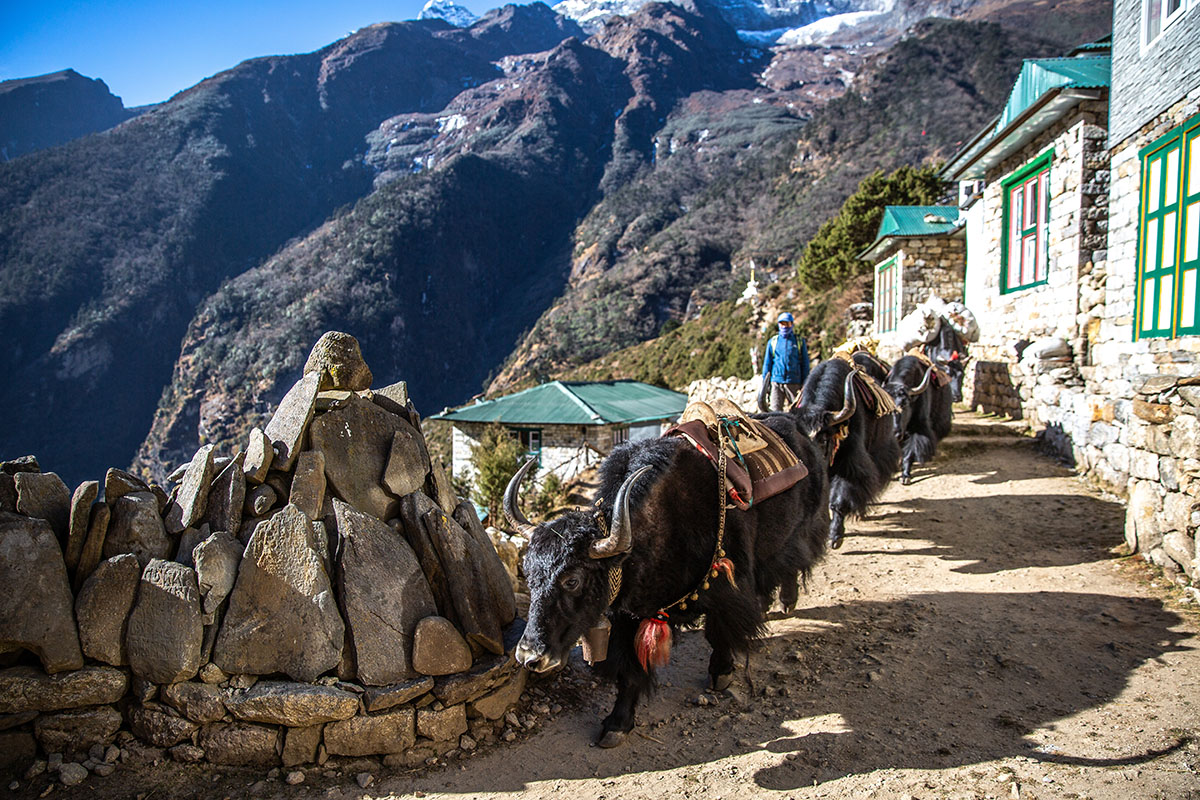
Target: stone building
<point>1103,148</point>
<point>567,425</point>
<point>919,251</point>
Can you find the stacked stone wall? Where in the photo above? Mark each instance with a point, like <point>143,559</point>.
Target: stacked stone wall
<point>320,594</point>
<point>931,266</point>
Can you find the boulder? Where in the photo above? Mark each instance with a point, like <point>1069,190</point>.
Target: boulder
<point>373,734</point>
<point>22,464</point>
<point>81,513</point>
<point>282,616</point>
<point>499,585</point>
<point>296,705</point>
<point>439,488</point>
<point>300,745</point>
<point>36,605</point>
<point>199,702</point>
<point>338,357</point>
<point>413,508</point>
<point>28,689</point>
<point>493,705</point>
<point>217,559</point>
<point>165,630</point>
<point>383,594</point>
<point>43,495</point>
<point>240,744</point>
<point>394,398</point>
<point>192,497</point>
<point>155,726</point>
<point>118,483</point>
<point>259,456</point>
<point>136,527</point>
<point>357,441</point>
<point>378,698</point>
<point>442,725</point>
<point>408,461</point>
<point>102,608</point>
<point>307,491</point>
<point>439,649</point>
<point>93,544</point>
<point>462,562</point>
<point>291,419</point>
<point>77,730</point>
<point>226,497</point>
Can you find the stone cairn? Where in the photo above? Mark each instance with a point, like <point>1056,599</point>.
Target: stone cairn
<point>321,593</point>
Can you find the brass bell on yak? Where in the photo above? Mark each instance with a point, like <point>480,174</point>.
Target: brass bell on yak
<point>595,642</point>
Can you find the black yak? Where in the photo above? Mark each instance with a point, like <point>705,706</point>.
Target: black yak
<point>861,449</point>
<point>874,366</point>
<point>647,559</point>
<point>925,410</point>
<point>949,351</point>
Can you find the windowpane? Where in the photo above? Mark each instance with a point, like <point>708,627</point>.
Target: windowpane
<point>1028,257</point>
<point>1030,204</point>
<point>1173,6</point>
<point>1153,18</point>
<point>1172,177</point>
<point>1148,304</point>
<point>1193,182</point>
<point>1154,193</point>
<point>1191,230</point>
<point>1168,236</point>
<point>1187,313</point>
<point>1152,245</point>
<point>1044,227</point>
<point>1166,292</point>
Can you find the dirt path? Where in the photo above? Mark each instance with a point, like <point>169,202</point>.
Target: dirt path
<point>976,637</point>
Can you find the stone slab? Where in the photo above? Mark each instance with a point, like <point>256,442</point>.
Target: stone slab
<point>103,606</point>
<point>442,725</point>
<point>29,689</point>
<point>282,617</point>
<point>77,730</point>
<point>118,483</point>
<point>44,495</point>
<point>136,527</point>
<point>379,698</point>
<point>407,465</point>
<point>467,686</point>
<point>296,705</point>
<point>192,497</point>
<point>93,544</point>
<point>499,586</point>
<point>383,594</point>
<point>217,559</point>
<point>259,456</point>
<point>356,441</point>
<point>286,428</point>
<point>307,491</point>
<point>155,726</point>
<point>36,605</point>
<point>300,745</point>
<point>241,744</point>
<point>373,734</point>
<point>462,562</point>
<point>497,702</point>
<point>226,497</point>
<point>81,513</point>
<point>438,648</point>
<point>165,630</point>
<point>8,493</point>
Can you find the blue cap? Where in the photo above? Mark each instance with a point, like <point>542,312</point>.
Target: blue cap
<point>786,316</point>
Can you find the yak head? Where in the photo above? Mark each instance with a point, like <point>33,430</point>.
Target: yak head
<point>904,397</point>
<point>567,566</point>
<point>816,417</point>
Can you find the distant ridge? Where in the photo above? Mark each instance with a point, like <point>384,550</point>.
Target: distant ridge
<point>48,110</point>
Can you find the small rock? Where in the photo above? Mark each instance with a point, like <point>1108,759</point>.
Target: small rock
<point>104,770</point>
<point>294,778</point>
<point>111,754</point>
<point>467,743</point>
<point>364,779</point>
<point>54,762</point>
<point>438,648</point>
<point>212,674</point>
<point>72,774</point>
<point>35,769</point>
<point>14,786</point>
<point>258,457</point>
<point>338,358</point>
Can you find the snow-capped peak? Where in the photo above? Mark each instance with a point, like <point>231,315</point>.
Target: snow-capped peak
<point>449,11</point>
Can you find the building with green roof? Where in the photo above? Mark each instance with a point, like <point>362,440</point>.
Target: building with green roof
<point>919,251</point>
<point>566,425</point>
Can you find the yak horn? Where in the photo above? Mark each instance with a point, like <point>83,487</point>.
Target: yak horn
<point>920,389</point>
<point>849,404</point>
<point>620,540</point>
<point>512,511</point>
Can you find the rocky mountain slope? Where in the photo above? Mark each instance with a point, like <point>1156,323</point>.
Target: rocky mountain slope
<point>41,112</point>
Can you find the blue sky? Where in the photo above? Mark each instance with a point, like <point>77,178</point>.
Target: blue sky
<point>146,51</point>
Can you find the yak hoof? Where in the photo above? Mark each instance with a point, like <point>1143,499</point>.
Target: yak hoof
<point>612,738</point>
<point>835,541</point>
<point>905,480</point>
<point>721,682</point>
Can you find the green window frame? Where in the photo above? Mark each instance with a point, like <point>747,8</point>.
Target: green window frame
<point>1168,257</point>
<point>1025,245</point>
<point>887,295</point>
<point>531,440</point>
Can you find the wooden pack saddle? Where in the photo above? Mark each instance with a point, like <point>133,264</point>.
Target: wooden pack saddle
<point>758,463</point>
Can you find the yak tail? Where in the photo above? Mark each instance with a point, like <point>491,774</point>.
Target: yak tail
<point>654,642</point>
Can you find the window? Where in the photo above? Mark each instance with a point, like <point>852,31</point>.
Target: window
<point>620,435</point>
<point>1025,247</point>
<point>1169,235</point>
<point>1157,15</point>
<point>531,440</point>
<point>886,296</point>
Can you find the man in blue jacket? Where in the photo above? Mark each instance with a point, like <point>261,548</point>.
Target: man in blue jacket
<point>785,365</point>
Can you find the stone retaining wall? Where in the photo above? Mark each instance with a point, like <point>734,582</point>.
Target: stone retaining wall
<point>320,593</point>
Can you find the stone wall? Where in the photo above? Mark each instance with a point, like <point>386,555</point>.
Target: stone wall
<point>321,593</point>
<point>927,266</point>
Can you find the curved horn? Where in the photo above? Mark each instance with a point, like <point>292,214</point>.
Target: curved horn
<point>620,540</point>
<point>923,385</point>
<point>512,511</point>
<point>849,404</point>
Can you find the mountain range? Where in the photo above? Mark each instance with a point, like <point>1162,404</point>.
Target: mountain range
<point>480,204</point>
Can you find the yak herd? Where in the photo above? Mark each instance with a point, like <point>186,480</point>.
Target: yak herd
<point>662,549</point>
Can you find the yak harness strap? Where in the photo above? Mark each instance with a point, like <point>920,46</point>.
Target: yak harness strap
<point>654,633</point>
<point>940,375</point>
<point>875,395</point>
<point>836,438</point>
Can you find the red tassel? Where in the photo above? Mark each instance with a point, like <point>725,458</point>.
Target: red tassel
<point>654,642</point>
<point>726,566</point>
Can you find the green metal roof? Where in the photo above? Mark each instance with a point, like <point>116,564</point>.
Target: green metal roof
<point>1045,91</point>
<point>1040,75</point>
<point>913,221</point>
<point>575,403</point>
